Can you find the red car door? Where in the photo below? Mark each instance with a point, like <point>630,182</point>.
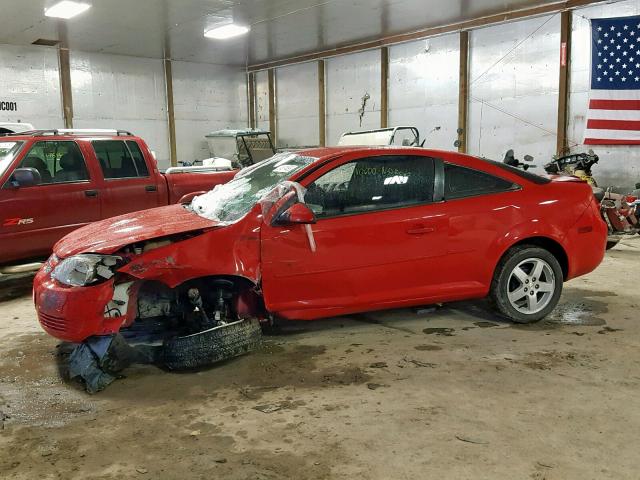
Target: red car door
<point>128,183</point>
<point>35,217</point>
<point>378,237</point>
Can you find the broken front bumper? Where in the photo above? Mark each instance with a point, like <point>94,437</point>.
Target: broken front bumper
<point>74,314</point>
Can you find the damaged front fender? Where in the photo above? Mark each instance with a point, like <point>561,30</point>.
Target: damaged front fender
<point>232,250</point>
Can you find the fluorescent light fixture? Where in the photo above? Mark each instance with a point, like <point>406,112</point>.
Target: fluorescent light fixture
<point>226,31</point>
<point>66,9</point>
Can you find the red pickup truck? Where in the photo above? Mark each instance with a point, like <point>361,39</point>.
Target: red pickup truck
<point>54,181</point>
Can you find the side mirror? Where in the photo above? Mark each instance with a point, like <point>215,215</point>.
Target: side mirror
<point>26,177</point>
<point>188,198</point>
<point>297,214</point>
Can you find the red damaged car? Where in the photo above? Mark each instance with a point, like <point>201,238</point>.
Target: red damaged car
<point>309,235</point>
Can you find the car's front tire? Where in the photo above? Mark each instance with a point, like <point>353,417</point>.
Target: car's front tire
<point>527,284</point>
<point>212,346</point>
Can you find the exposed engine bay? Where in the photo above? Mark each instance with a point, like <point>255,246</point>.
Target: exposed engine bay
<point>189,326</point>
<point>196,306</point>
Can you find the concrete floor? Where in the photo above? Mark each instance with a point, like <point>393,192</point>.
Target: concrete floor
<point>451,393</point>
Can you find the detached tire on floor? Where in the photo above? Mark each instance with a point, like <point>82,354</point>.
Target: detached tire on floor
<point>612,243</point>
<point>212,346</point>
<point>527,284</point>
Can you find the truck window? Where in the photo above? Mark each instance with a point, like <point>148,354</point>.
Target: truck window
<point>57,162</point>
<point>138,158</point>
<point>117,160</point>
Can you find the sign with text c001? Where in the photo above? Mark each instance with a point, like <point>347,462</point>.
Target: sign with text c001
<point>8,106</point>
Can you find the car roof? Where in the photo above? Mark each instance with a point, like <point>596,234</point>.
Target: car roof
<point>462,159</point>
<point>325,153</point>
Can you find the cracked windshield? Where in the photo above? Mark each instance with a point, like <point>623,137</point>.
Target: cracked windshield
<point>230,202</point>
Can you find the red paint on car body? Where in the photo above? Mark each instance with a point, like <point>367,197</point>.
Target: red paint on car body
<point>429,253</point>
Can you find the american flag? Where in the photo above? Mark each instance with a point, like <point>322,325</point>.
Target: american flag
<point>614,104</point>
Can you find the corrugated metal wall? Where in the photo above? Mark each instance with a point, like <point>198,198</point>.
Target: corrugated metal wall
<point>113,91</point>
<point>349,80</point>
<point>423,88</point>
<point>206,98</point>
<point>29,76</point>
<point>297,107</point>
<point>619,165</point>
<point>513,94</point>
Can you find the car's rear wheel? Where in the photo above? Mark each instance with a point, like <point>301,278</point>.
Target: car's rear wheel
<point>527,284</point>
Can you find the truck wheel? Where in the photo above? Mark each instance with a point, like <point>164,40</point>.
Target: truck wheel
<point>612,243</point>
<point>527,284</point>
<point>212,346</point>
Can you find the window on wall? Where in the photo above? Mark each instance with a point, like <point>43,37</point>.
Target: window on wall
<point>57,162</point>
<point>120,159</point>
<point>461,182</point>
<point>371,184</point>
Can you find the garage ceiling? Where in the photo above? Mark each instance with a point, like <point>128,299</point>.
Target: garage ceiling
<point>280,28</point>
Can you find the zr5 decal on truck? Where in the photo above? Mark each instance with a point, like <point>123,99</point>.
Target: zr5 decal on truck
<point>14,222</point>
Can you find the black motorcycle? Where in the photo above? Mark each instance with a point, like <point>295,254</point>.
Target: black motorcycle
<point>512,161</point>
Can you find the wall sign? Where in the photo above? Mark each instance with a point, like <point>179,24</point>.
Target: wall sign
<point>8,106</point>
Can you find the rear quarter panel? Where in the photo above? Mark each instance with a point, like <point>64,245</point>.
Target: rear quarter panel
<point>550,211</point>
<point>483,228</point>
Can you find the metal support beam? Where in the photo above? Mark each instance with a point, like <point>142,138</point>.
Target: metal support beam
<point>563,97</point>
<point>384,87</point>
<point>463,92</point>
<point>273,127</point>
<point>322,105</point>
<point>495,19</point>
<point>251,80</point>
<point>65,75</point>
<point>168,78</point>
<point>65,86</point>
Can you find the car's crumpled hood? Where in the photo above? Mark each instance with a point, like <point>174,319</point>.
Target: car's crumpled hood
<point>108,236</point>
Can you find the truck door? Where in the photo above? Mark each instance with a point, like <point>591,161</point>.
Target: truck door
<point>128,183</point>
<point>34,218</point>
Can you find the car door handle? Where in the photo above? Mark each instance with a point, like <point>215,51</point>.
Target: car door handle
<point>151,188</point>
<point>420,230</point>
<point>91,193</point>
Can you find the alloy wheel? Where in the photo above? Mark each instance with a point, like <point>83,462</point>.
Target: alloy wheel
<point>531,286</point>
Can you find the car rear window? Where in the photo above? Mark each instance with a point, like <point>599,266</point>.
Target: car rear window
<point>461,182</point>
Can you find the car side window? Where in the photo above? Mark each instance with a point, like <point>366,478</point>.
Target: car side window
<point>117,160</point>
<point>461,182</point>
<point>371,184</point>
<point>57,162</point>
